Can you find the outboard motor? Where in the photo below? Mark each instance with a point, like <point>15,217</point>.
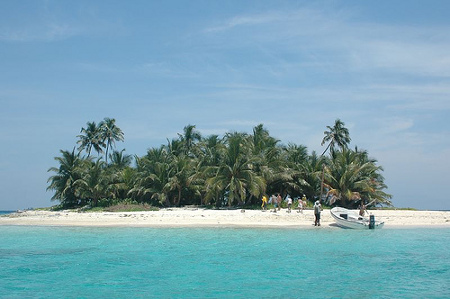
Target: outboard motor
<point>372,222</point>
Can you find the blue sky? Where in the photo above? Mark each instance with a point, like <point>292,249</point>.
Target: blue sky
<point>382,67</point>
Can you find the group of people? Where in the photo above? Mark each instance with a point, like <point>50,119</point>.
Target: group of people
<point>276,200</point>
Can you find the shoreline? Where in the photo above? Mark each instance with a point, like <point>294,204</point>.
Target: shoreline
<point>199,217</point>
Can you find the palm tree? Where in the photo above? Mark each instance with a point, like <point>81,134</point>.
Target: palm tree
<point>123,180</point>
<point>235,175</point>
<point>175,147</point>
<point>94,184</point>
<point>110,133</point>
<point>209,155</point>
<point>376,194</point>
<point>157,180</point>
<point>313,175</point>
<point>64,182</point>
<point>275,169</point>
<point>337,135</point>
<point>179,173</point>
<point>152,176</point>
<point>189,137</point>
<point>261,140</point>
<point>297,158</point>
<point>120,160</point>
<point>269,161</point>
<point>90,139</point>
<point>352,178</point>
<point>210,150</point>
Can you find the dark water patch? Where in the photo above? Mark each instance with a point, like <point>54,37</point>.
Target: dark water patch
<point>6,212</point>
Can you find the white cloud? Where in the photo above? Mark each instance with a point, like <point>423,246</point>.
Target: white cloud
<point>333,41</point>
<point>415,56</point>
<point>394,124</point>
<point>245,21</point>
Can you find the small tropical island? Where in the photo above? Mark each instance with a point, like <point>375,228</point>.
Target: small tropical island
<point>197,181</point>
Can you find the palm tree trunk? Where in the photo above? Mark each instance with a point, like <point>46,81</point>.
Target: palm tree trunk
<point>179,197</point>
<point>106,154</point>
<point>321,182</point>
<point>329,144</point>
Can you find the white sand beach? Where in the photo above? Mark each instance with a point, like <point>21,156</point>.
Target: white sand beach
<point>199,217</point>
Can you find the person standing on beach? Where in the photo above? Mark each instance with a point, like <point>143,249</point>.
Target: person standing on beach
<point>264,202</point>
<point>317,210</point>
<point>289,203</point>
<point>362,209</point>
<point>279,200</point>
<point>273,199</point>
<point>300,205</point>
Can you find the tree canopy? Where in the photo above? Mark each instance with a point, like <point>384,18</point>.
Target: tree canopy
<point>234,170</point>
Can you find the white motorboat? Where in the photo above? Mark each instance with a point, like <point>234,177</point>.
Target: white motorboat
<point>351,219</point>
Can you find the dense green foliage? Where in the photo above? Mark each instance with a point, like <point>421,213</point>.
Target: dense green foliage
<point>235,170</point>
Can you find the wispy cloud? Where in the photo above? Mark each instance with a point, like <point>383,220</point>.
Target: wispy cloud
<point>395,124</point>
<point>47,22</point>
<point>244,21</point>
<point>412,97</point>
<point>387,79</point>
<point>414,56</point>
<point>333,40</point>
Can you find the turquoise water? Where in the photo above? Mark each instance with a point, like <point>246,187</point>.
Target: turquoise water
<point>58,262</point>
<point>6,212</point>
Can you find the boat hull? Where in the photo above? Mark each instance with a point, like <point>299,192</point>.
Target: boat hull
<point>350,219</point>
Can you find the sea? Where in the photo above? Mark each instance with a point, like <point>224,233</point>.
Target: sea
<point>93,262</point>
<point>5,212</point>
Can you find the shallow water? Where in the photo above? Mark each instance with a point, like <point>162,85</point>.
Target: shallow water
<point>223,262</point>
